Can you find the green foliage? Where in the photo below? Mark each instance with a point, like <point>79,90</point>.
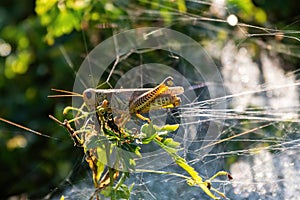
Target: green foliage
<point>18,62</point>
<point>63,17</point>
<point>60,17</point>
<point>122,192</point>
<point>152,132</point>
<point>248,11</point>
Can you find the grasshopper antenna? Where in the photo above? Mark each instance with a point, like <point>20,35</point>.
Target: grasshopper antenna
<point>67,93</point>
<point>27,129</point>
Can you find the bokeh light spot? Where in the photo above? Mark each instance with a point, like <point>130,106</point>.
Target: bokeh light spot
<point>5,49</point>
<point>232,20</point>
<point>18,141</point>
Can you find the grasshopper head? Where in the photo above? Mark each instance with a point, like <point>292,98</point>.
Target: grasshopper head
<point>168,81</point>
<point>89,98</point>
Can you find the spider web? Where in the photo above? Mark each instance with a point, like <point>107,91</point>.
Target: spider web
<point>259,140</point>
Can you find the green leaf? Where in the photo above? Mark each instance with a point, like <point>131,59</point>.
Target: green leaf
<point>171,143</point>
<point>131,187</point>
<point>181,6</point>
<point>123,192</point>
<point>43,7</point>
<point>147,140</point>
<point>95,142</point>
<point>107,192</point>
<point>167,127</point>
<point>148,129</point>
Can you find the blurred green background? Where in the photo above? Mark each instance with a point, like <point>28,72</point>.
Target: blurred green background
<point>42,44</point>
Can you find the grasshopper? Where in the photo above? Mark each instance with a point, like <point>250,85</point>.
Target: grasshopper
<point>138,100</point>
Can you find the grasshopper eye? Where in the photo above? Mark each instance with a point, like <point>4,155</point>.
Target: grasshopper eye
<point>89,97</point>
<point>88,94</point>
